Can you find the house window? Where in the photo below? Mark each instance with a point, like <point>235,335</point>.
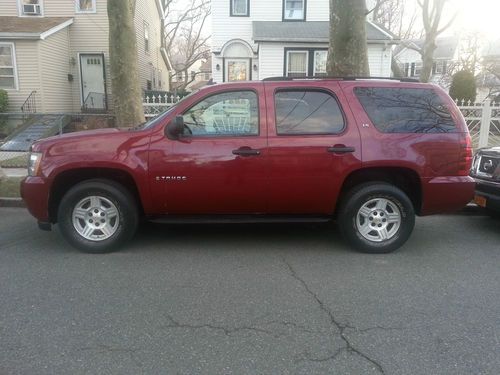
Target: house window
<point>307,62</point>
<point>294,10</point>
<point>8,74</point>
<point>440,67</point>
<point>320,63</point>
<point>239,8</point>
<point>297,62</point>
<point>146,37</point>
<point>416,69</point>
<point>159,78</point>
<point>149,86</point>
<point>85,6</point>
<point>30,7</point>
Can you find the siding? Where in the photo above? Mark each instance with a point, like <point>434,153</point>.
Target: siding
<point>28,74</point>
<point>146,11</point>
<point>271,57</point>
<point>8,8</point>
<point>54,59</point>
<point>225,27</point>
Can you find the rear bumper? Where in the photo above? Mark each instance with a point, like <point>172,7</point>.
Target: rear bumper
<point>35,193</point>
<point>446,194</point>
<point>490,191</point>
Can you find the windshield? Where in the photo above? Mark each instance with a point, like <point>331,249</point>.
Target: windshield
<point>155,120</point>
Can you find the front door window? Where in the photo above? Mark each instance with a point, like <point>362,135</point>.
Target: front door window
<point>237,70</point>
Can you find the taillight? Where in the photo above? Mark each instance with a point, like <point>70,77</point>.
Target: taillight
<point>465,156</point>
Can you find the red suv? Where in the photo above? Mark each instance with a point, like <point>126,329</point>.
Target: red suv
<point>369,153</point>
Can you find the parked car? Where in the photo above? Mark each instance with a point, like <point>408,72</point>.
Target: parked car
<point>369,153</point>
<point>486,171</point>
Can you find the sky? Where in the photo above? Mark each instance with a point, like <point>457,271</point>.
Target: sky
<point>477,15</point>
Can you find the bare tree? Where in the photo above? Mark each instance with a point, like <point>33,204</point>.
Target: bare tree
<point>127,99</point>
<point>185,39</point>
<point>395,16</point>
<point>347,50</point>
<point>432,12</point>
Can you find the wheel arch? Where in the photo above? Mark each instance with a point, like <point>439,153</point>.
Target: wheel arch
<point>404,178</point>
<point>65,180</point>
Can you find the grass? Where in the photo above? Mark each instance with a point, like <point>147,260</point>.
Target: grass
<point>9,187</point>
<point>17,162</point>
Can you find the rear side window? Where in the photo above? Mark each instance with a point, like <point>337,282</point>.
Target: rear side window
<point>307,112</point>
<point>405,110</point>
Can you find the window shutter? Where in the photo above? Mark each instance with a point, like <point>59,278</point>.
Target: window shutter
<point>434,65</point>
<point>412,69</point>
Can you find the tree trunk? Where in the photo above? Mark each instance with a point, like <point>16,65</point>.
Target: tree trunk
<point>125,86</point>
<point>347,51</point>
<point>427,57</point>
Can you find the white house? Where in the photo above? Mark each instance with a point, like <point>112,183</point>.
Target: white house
<point>256,39</point>
<point>410,60</point>
<point>54,54</point>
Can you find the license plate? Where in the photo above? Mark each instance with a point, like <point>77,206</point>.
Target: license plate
<point>480,201</point>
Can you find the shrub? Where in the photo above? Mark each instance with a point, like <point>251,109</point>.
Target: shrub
<point>4,101</point>
<point>463,86</point>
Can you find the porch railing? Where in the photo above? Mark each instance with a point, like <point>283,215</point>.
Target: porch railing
<point>29,105</point>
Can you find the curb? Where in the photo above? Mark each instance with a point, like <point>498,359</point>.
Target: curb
<point>12,202</point>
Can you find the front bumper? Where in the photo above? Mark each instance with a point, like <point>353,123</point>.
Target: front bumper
<point>489,192</point>
<point>35,193</point>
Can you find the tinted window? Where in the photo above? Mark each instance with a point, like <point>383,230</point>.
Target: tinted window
<point>403,110</point>
<point>229,113</point>
<point>307,112</point>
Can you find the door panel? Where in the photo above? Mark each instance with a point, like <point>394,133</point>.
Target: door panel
<point>305,174</point>
<point>210,172</point>
<point>92,78</point>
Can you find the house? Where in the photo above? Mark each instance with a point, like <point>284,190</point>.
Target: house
<point>198,75</point>
<point>54,54</point>
<point>410,60</point>
<point>203,76</point>
<point>256,39</point>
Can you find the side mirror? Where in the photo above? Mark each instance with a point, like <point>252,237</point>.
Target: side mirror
<point>175,129</point>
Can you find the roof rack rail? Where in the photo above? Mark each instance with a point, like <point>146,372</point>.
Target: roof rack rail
<point>282,78</point>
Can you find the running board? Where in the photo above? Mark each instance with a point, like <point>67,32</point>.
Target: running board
<point>238,219</point>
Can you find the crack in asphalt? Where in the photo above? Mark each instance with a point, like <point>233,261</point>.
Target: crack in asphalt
<point>340,327</point>
<point>227,330</point>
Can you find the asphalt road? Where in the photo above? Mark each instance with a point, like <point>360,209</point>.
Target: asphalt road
<point>251,299</point>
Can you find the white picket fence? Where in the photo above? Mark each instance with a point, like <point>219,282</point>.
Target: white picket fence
<point>155,104</point>
<point>483,120</point>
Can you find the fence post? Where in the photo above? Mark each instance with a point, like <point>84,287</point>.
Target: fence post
<point>484,131</point>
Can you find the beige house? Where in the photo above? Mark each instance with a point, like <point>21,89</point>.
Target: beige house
<point>54,54</point>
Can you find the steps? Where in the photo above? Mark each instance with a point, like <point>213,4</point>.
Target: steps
<point>38,126</point>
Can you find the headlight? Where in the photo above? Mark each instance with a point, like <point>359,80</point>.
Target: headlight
<point>34,163</point>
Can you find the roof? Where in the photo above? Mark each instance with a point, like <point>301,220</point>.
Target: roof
<point>310,31</point>
<point>446,47</point>
<point>31,27</point>
<point>206,66</point>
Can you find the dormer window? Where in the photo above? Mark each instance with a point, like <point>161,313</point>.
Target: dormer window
<point>30,7</point>
<point>239,8</point>
<point>294,10</point>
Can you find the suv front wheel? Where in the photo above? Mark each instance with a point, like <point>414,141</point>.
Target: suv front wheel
<point>97,216</point>
<point>376,218</point>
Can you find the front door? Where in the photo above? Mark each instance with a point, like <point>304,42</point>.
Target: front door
<point>219,166</point>
<point>237,70</point>
<point>92,78</point>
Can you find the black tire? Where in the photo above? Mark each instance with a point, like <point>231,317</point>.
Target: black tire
<point>363,194</point>
<point>125,222</point>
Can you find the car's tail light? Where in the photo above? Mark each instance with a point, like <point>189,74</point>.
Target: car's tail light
<point>465,156</point>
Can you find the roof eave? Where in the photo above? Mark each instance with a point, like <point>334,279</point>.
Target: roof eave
<point>18,36</point>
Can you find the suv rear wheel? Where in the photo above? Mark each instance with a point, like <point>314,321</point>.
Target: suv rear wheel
<point>97,216</point>
<point>376,218</point>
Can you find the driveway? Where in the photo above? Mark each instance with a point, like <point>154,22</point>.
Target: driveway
<point>251,299</point>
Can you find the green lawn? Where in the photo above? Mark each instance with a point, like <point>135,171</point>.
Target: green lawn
<point>9,187</point>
